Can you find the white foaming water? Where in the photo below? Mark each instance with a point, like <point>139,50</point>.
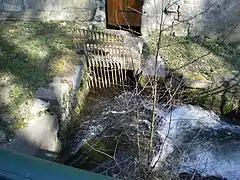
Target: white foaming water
<point>199,140</point>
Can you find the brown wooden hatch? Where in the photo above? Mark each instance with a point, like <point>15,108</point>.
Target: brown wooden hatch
<point>124,12</point>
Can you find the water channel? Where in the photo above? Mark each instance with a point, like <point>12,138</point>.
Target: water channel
<point>111,137</point>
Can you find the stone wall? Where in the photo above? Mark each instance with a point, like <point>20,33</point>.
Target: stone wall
<point>193,17</point>
<point>84,10</point>
<point>186,16</point>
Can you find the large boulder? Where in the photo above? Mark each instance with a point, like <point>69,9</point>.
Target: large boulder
<point>148,70</point>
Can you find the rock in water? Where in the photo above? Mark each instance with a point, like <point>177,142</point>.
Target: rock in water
<point>39,106</point>
<point>149,67</point>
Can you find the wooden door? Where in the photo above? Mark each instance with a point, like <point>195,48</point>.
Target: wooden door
<point>124,12</point>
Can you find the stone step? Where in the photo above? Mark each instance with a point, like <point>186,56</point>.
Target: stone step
<point>39,136</point>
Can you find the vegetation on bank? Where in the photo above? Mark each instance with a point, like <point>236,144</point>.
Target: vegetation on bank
<point>208,57</point>
<point>204,59</point>
<point>31,53</point>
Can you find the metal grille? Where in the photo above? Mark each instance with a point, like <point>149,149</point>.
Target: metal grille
<point>108,57</point>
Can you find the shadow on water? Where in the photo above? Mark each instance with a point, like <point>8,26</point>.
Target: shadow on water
<point>101,147</point>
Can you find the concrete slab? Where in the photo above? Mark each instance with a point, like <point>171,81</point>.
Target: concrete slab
<point>148,67</point>
<point>40,135</point>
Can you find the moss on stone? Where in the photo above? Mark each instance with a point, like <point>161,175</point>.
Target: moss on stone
<point>143,81</point>
<point>221,103</point>
<point>64,64</point>
<point>82,93</point>
<point>194,76</point>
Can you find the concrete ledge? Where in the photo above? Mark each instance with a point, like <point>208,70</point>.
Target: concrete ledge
<point>40,134</point>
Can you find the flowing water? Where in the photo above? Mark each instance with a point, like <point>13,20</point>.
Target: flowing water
<point>109,135</point>
<point>198,140</point>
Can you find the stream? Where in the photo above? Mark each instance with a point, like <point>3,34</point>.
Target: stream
<point>112,135</point>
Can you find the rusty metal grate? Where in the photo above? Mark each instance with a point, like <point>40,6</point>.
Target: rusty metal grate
<point>108,57</point>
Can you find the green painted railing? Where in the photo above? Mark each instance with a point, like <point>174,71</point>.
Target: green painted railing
<point>15,166</point>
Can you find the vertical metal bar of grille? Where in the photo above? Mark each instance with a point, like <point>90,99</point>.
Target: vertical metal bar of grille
<point>94,63</point>
<point>92,67</point>
<point>93,50</point>
<point>110,52</point>
<point>99,36</point>
<point>95,74</point>
<point>120,68</point>
<point>118,58</point>
<point>111,62</point>
<point>105,73</point>
<point>105,59</point>
<point>86,65</point>
<point>102,74</point>
<point>111,58</point>
<point>110,38</point>
<point>115,73</point>
<point>123,64</point>
<point>101,68</point>
<point>89,66</point>
<point>80,33</point>
<point>126,63</point>
<point>97,65</point>
<point>104,39</point>
<point>83,34</point>
<point>118,71</point>
<point>108,72</point>
<point>88,35</point>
